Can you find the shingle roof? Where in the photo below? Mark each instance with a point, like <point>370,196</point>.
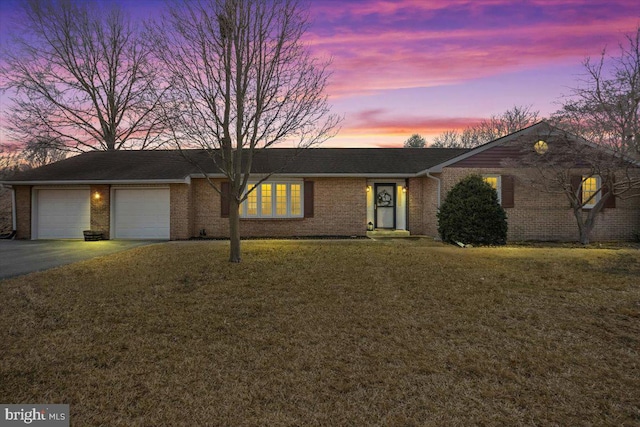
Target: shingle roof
<point>165,165</point>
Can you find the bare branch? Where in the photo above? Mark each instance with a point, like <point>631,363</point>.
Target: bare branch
<point>81,76</point>
<point>241,81</point>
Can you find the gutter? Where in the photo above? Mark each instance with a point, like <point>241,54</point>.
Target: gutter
<point>316,175</point>
<point>185,180</point>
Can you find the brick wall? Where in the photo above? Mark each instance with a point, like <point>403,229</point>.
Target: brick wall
<point>423,205</point>
<point>339,209</point>
<point>181,211</point>
<point>101,209</point>
<point>538,215</point>
<point>23,211</point>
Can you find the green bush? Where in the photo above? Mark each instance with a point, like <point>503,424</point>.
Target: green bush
<point>471,214</point>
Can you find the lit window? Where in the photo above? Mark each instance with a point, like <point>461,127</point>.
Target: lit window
<point>495,182</point>
<point>541,147</point>
<point>266,200</point>
<point>252,201</point>
<point>273,200</point>
<point>296,200</point>
<point>590,194</point>
<point>281,199</point>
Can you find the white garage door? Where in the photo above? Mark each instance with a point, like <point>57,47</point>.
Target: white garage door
<point>141,213</point>
<point>62,214</point>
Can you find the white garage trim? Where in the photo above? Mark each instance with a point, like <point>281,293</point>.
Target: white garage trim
<point>60,213</point>
<point>140,213</point>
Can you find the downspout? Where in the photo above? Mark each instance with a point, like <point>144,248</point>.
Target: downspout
<point>439,185</point>
<point>14,222</point>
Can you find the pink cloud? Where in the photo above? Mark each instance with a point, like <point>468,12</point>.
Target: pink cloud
<point>368,62</point>
<point>381,123</point>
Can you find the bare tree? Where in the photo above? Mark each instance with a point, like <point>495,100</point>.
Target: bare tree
<point>10,162</point>
<point>487,130</point>
<point>42,151</point>
<point>591,176</point>
<point>80,79</point>
<point>605,107</point>
<point>241,81</point>
<point>593,160</point>
<point>415,141</point>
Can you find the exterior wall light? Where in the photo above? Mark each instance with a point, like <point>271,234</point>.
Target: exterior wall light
<point>368,189</point>
<point>404,189</point>
<point>97,196</point>
<point>370,226</point>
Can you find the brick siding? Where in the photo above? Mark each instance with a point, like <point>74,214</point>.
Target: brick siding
<point>340,210</point>
<point>101,209</point>
<point>23,211</point>
<point>539,215</point>
<point>181,211</point>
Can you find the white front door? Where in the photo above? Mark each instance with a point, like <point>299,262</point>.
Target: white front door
<point>385,206</point>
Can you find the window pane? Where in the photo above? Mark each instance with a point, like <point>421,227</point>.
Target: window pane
<point>266,199</point>
<point>281,199</point>
<point>589,188</point>
<point>492,181</point>
<point>296,200</point>
<point>252,202</point>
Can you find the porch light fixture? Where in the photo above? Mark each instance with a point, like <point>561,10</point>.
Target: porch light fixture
<point>404,189</point>
<point>370,226</point>
<point>96,196</point>
<point>541,147</point>
<point>368,189</point>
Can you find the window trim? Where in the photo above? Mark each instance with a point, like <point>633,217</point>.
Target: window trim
<point>257,191</point>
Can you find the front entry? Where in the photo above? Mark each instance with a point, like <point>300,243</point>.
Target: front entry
<point>385,206</point>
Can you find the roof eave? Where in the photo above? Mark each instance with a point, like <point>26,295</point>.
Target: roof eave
<point>438,168</point>
<point>185,180</point>
<point>317,175</point>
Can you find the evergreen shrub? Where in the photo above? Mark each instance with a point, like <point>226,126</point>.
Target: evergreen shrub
<point>471,214</point>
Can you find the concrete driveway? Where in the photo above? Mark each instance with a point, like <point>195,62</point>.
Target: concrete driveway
<point>25,256</point>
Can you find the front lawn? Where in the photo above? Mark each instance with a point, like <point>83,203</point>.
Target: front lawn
<point>402,332</point>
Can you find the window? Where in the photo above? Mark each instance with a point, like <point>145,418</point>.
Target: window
<point>296,199</point>
<point>251,204</point>
<point>495,182</point>
<point>590,193</point>
<point>266,198</point>
<point>273,200</point>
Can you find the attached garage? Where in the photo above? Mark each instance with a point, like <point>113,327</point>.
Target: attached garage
<point>140,213</point>
<point>61,213</point>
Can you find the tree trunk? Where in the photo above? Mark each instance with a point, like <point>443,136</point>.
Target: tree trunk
<point>234,230</point>
<point>584,228</point>
<point>584,236</point>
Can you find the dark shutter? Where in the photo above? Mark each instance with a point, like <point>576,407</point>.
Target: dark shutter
<point>308,199</point>
<point>611,201</point>
<point>576,183</point>
<point>225,191</point>
<point>507,191</point>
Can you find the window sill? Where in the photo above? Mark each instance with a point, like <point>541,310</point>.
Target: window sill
<point>272,219</point>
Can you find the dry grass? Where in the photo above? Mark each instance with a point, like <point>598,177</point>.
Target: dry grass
<point>329,333</point>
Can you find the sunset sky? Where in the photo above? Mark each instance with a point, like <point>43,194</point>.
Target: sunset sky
<point>425,66</point>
